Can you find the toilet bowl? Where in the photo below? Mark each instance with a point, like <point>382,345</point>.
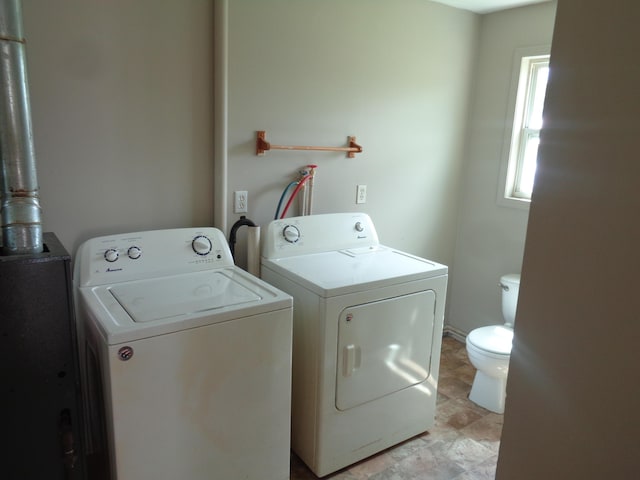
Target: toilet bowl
<point>489,349</point>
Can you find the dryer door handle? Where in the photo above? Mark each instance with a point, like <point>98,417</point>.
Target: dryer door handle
<point>350,359</point>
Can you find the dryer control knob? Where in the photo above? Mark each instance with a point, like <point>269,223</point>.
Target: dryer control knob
<point>291,234</point>
<point>111,255</point>
<point>201,245</point>
<point>359,227</point>
<point>134,252</point>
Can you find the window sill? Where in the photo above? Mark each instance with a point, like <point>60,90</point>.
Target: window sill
<point>514,202</point>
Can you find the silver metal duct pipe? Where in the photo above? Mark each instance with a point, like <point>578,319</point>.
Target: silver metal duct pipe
<point>20,212</point>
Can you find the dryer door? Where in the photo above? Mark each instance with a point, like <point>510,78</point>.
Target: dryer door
<point>383,347</point>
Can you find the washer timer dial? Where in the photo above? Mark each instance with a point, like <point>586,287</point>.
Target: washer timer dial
<point>201,245</point>
<point>291,233</point>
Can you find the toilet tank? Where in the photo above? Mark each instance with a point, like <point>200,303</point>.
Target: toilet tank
<point>510,286</point>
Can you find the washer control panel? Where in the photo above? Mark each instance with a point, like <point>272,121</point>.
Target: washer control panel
<point>131,256</point>
<point>318,233</point>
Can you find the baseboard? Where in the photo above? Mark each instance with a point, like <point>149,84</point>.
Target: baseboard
<point>449,331</point>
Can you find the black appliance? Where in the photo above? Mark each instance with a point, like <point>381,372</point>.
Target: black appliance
<point>40,393</point>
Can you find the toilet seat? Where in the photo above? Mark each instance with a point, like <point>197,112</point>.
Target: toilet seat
<point>494,339</point>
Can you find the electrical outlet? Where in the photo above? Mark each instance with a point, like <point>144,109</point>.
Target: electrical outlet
<point>361,194</point>
<point>241,201</point>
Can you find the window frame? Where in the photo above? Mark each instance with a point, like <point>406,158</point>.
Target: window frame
<point>516,133</point>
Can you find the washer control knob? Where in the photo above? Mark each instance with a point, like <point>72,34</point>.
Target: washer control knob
<point>201,245</point>
<point>359,227</point>
<point>111,255</point>
<point>291,233</point>
<point>134,252</point>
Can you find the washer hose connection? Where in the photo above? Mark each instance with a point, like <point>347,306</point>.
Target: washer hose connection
<point>234,230</point>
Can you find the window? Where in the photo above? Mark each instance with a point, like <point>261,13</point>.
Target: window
<point>521,147</point>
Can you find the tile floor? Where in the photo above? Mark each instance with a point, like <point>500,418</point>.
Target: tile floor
<point>463,445</point>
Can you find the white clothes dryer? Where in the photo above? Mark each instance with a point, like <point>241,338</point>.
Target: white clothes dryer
<point>186,358</point>
<point>366,336</point>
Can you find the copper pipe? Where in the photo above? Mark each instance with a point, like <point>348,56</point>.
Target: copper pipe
<point>262,146</point>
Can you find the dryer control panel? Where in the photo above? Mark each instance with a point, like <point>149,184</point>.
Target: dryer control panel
<point>318,233</point>
<point>132,256</point>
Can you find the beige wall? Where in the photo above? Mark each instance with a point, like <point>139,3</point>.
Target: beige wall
<point>122,106</point>
<point>121,101</point>
<point>121,96</point>
<point>397,75</point>
<point>490,237</point>
<point>572,393</point>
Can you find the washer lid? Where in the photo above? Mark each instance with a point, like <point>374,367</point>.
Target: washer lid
<point>494,339</point>
<point>158,298</point>
<point>354,270</point>
<point>138,309</point>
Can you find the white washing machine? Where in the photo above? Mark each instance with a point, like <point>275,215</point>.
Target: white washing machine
<point>186,358</point>
<point>367,334</point>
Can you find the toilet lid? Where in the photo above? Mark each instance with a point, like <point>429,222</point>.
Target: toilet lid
<point>494,339</point>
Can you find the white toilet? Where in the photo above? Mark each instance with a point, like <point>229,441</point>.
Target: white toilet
<point>489,349</point>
